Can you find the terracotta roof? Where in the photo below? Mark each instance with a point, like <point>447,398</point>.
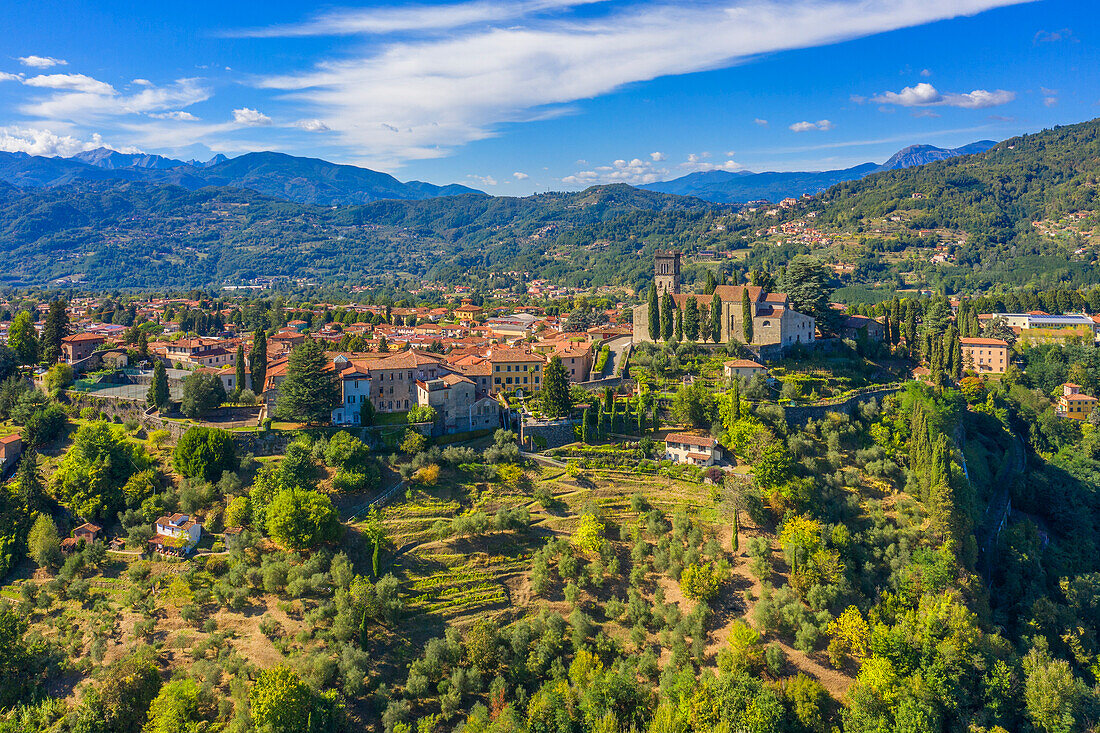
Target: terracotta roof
<point>698,456</point>
<point>704,441</point>
<point>512,354</point>
<point>743,364</point>
<point>13,438</point>
<point>982,342</point>
<point>83,337</point>
<point>88,527</point>
<point>733,292</point>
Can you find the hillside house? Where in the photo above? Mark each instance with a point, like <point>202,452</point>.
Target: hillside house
<point>985,356</point>
<point>1073,404</point>
<point>11,447</point>
<point>175,535</point>
<point>743,368</point>
<point>80,346</point>
<point>699,450</point>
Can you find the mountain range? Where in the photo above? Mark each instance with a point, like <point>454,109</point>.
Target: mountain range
<point>302,180</point>
<point>740,187</point>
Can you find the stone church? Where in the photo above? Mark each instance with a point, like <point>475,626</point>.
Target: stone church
<point>773,320</point>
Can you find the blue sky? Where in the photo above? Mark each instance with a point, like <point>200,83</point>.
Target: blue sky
<point>515,96</point>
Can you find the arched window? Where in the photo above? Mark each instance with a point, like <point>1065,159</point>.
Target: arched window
<point>766,324</point>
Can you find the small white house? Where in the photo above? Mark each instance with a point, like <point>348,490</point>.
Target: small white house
<point>743,368</point>
<point>176,534</point>
<point>700,450</point>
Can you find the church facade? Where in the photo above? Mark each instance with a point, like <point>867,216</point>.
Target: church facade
<point>774,322</point>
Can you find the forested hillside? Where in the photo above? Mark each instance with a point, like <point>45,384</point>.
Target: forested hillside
<point>1023,213</point>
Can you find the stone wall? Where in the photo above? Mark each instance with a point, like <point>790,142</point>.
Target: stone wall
<point>799,415</point>
<point>556,433</point>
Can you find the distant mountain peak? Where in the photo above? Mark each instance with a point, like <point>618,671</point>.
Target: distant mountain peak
<point>303,180</point>
<point>741,187</point>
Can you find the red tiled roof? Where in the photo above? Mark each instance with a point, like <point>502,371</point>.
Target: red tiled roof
<point>704,441</point>
<point>982,342</point>
<point>743,364</point>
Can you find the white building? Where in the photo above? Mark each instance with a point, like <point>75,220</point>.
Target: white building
<point>177,534</point>
<point>700,450</point>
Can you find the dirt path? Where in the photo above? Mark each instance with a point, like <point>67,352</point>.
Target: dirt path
<point>744,592</point>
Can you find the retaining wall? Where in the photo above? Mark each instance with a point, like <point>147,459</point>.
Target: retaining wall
<point>798,415</point>
<point>556,433</point>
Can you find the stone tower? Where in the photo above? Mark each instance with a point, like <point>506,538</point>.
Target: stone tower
<point>666,271</point>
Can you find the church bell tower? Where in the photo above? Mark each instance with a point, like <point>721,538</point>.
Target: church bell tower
<point>666,271</point>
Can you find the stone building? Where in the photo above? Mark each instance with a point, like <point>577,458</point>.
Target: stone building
<point>773,319</point>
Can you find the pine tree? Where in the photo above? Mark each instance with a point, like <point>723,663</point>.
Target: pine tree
<point>555,389</point>
<point>746,316</point>
<point>310,392</point>
<point>654,314</point>
<point>241,379</point>
<point>158,394</point>
<point>691,320</point>
<point>257,360</point>
<point>715,319</point>
<point>667,307</point>
<point>57,328</point>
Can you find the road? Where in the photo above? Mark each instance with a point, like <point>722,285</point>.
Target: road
<point>618,349</point>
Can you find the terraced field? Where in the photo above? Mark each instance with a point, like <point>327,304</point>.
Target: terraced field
<point>460,579</point>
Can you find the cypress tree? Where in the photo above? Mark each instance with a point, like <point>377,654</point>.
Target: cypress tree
<point>715,319</point>
<point>158,395</point>
<point>746,316</point>
<point>584,426</point>
<point>57,328</point>
<point>600,427</point>
<point>654,314</point>
<point>240,373</point>
<point>910,330</point>
<point>691,320</point>
<point>678,329</point>
<point>735,399</point>
<point>555,389</point>
<point>257,360</point>
<point>641,415</point>
<point>711,283</point>
<point>667,307</point>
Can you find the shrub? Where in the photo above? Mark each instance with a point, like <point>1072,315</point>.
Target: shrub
<point>205,453</point>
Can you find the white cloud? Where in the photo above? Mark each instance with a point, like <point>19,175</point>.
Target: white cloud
<point>79,98</point>
<point>35,141</point>
<point>926,95</point>
<point>761,122</point>
<point>41,62</point>
<point>312,125</point>
<point>807,126</point>
<point>250,117</point>
<point>178,115</point>
<point>70,83</point>
<point>637,171</point>
<point>925,113</point>
<point>445,89</point>
<point>483,180</point>
<point>410,18</point>
<point>5,76</point>
<point>520,176</point>
<point>926,73</point>
<point>657,157</point>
